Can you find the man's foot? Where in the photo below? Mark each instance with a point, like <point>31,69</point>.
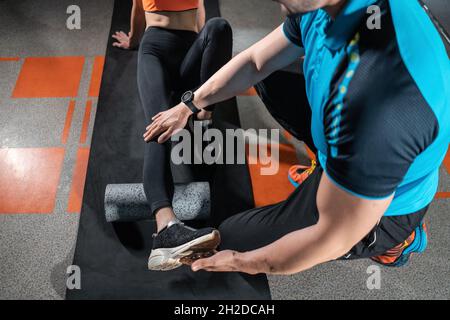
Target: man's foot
<point>399,256</point>
<point>177,244</point>
<point>297,174</point>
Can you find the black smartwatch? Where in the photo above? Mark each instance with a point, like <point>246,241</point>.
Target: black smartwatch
<point>188,99</point>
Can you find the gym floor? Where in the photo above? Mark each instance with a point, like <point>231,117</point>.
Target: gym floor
<point>48,96</point>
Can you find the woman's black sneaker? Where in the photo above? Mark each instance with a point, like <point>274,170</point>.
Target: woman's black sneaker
<point>178,244</point>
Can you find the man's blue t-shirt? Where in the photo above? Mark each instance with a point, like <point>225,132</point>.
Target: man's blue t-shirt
<point>380,99</point>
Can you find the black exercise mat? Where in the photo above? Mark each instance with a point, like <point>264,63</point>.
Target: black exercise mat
<point>113,257</point>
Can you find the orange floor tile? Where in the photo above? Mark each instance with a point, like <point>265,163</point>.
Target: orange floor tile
<point>86,120</point>
<point>96,77</point>
<point>287,135</point>
<point>442,195</point>
<point>311,154</point>
<point>29,179</point>
<point>68,122</point>
<point>9,59</point>
<point>272,189</point>
<point>249,92</point>
<point>49,77</point>
<point>78,180</point>
<point>447,161</point>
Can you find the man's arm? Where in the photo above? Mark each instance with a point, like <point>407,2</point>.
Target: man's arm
<point>272,53</point>
<point>344,220</point>
<point>137,28</point>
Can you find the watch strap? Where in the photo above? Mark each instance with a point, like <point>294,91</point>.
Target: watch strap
<point>192,107</point>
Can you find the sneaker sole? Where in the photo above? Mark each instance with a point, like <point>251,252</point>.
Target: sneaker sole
<point>165,259</point>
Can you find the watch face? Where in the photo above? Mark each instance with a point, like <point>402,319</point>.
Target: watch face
<point>187,96</point>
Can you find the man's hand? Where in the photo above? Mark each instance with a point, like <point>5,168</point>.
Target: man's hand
<point>124,41</point>
<point>225,261</point>
<point>167,123</point>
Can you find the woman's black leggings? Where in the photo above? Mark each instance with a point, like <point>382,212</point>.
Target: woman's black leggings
<point>169,63</point>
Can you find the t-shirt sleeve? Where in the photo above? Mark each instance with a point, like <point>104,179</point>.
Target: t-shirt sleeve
<point>292,31</point>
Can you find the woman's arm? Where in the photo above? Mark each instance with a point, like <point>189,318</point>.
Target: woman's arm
<point>272,53</point>
<point>137,28</point>
<point>201,15</point>
<point>137,22</point>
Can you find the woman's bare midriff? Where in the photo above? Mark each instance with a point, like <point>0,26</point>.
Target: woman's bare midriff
<point>183,20</point>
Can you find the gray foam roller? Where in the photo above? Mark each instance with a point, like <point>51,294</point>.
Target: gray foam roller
<point>127,202</point>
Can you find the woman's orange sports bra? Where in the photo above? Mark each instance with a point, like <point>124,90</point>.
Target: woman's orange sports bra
<point>169,5</point>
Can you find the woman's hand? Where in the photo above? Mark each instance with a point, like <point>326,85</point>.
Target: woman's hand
<point>124,41</point>
<point>167,123</point>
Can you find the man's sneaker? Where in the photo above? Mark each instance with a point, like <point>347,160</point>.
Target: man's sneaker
<point>297,174</point>
<point>399,256</point>
<point>177,244</point>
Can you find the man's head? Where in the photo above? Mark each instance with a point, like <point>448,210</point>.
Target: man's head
<point>294,7</point>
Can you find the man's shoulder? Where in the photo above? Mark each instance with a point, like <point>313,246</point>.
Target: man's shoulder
<point>382,101</point>
<point>311,19</point>
<point>397,57</point>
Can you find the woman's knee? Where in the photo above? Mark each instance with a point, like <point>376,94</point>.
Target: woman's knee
<point>218,27</point>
